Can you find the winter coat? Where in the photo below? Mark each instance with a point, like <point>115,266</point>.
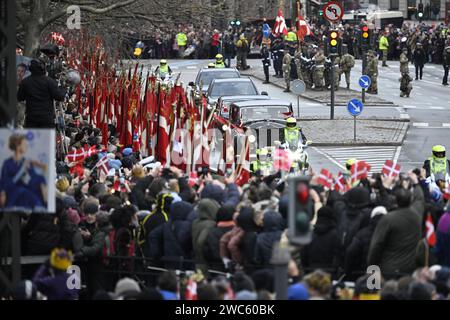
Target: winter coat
<point>322,252</point>
<point>270,234</point>
<point>230,244</point>
<point>206,220</point>
<point>172,240</point>
<point>395,240</point>
<point>228,196</point>
<point>53,284</point>
<point>357,251</point>
<point>211,249</point>
<point>44,232</point>
<point>245,220</point>
<point>442,248</point>
<point>39,92</point>
<point>419,57</point>
<point>138,197</point>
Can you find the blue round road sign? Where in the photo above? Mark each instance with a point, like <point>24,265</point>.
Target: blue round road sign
<point>355,107</point>
<point>364,82</point>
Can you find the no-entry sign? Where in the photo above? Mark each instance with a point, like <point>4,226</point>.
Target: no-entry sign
<point>333,11</point>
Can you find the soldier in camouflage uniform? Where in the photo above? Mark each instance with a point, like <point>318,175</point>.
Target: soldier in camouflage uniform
<point>405,80</point>
<point>287,60</point>
<point>337,72</point>
<point>319,60</point>
<point>372,72</point>
<point>346,64</point>
<point>298,62</point>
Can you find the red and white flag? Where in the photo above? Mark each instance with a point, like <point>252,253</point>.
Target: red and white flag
<point>391,169</point>
<point>103,166</point>
<point>281,160</point>
<point>431,234</point>
<point>325,178</point>
<point>360,170</point>
<point>191,290</point>
<point>340,184</point>
<point>303,28</point>
<point>280,24</point>
<point>75,155</point>
<point>193,179</point>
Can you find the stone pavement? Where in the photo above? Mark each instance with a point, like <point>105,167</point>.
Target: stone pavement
<point>369,132</point>
<point>342,96</point>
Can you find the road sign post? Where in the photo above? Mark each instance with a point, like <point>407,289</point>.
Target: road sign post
<point>355,107</point>
<point>364,83</point>
<point>332,88</point>
<point>298,87</point>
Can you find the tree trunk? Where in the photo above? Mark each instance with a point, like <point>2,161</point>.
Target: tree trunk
<point>32,39</point>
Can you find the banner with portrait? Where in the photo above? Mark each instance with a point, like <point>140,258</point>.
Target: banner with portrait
<point>27,170</point>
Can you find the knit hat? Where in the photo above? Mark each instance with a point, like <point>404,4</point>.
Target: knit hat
<point>90,206</point>
<point>61,259</point>
<point>73,216</point>
<point>127,287</point>
<point>298,292</point>
<point>380,210</point>
<point>62,184</point>
<point>115,164</point>
<point>214,192</point>
<point>138,172</point>
<point>102,219</point>
<point>127,151</point>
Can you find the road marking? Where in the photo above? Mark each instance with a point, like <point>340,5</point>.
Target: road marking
<point>330,158</point>
<point>397,153</point>
<point>191,67</point>
<point>433,128</point>
<point>404,116</point>
<point>437,108</point>
<point>409,107</point>
<point>375,156</point>
<point>446,125</point>
<point>420,124</point>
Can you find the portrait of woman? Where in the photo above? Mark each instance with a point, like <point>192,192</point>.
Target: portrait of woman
<point>22,182</point>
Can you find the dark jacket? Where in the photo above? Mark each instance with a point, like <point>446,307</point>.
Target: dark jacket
<point>206,220</point>
<point>211,248</point>
<point>265,240</point>
<point>39,92</point>
<point>172,240</point>
<point>419,57</point>
<point>358,250</point>
<point>43,232</point>
<point>322,252</point>
<point>228,196</point>
<point>395,240</point>
<point>138,194</point>
<point>245,221</point>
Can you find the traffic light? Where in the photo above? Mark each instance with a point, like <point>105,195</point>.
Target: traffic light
<point>301,210</point>
<point>420,11</point>
<point>333,41</point>
<point>235,23</point>
<point>365,37</point>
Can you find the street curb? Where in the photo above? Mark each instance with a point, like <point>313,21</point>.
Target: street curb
<point>366,119</point>
<point>358,144</point>
<point>387,103</point>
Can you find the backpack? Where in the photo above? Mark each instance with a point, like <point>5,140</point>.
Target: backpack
<point>350,61</point>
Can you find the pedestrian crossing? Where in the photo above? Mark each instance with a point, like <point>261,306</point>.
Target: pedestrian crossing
<point>376,156</point>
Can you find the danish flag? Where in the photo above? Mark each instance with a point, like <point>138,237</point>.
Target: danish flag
<point>431,235</point>
<point>280,24</point>
<point>391,169</point>
<point>102,165</point>
<point>281,160</point>
<point>360,170</point>
<point>340,184</point>
<point>325,178</point>
<point>191,290</point>
<point>303,28</point>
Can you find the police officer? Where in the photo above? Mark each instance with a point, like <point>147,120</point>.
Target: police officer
<point>405,80</point>
<point>319,60</point>
<point>372,72</point>
<point>219,62</point>
<point>163,69</point>
<point>291,41</point>
<point>263,162</point>
<point>346,64</point>
<point>287,59</point>
<point>277,50</point>
<point>292,134</point>
<point>265,58</point>
<point>437,164</point>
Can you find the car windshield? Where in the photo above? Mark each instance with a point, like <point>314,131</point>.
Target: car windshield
<point>233,89</point>
<point>264,113</point>
<point>207,77</point>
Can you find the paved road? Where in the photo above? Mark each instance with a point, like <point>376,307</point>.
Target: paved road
<point>428,108</point>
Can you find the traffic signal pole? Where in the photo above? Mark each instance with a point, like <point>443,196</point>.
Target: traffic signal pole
<point>363,71</point>
<point>332,88</point>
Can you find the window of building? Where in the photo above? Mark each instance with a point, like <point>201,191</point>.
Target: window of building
<point>394,4</point>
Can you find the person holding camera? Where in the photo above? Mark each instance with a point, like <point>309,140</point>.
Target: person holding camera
<point>39,92</point>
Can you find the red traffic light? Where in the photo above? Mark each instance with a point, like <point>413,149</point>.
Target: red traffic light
<point>302,193</point>
<point>333,34</point>
<point>365,28</point>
